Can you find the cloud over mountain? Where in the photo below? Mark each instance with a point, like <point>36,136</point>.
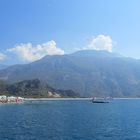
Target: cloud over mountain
<point>101,42</point>
<point>27,52</point>
<point>2,56</point>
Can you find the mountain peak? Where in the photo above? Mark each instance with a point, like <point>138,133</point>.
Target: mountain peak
<point>96,53</point>
<point>88,72</point>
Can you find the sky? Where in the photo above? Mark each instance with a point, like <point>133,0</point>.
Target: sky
<point>31,29</point>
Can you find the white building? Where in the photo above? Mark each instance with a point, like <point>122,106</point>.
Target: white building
<point>3,98</point>
<point>11,99</point>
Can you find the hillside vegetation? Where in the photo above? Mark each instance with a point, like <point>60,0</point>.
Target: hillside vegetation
<point>90,73</point>
<point>33,88</point>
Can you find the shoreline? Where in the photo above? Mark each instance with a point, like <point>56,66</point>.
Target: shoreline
<point>54,99</point>
<point>67,99</point>
<point>63,99</point>
<point>126,98</point>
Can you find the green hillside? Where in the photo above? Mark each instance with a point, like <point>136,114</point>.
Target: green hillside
<point>90,73</point>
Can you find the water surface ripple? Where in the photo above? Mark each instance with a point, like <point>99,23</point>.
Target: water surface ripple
<point>71,120</point>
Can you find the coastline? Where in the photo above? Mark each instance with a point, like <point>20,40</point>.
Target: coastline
<point>64,99</point>
<point>129,98</point>
<point>46,99</point>
<point>55,99</point>
<point>69,99</point>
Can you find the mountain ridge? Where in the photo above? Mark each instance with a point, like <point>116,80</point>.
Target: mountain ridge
<point>90,73</point>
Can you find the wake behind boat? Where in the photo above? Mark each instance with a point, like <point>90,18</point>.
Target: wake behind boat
<point>100,100</point>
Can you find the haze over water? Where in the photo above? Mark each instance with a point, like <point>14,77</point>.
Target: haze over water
<point>71,120</point>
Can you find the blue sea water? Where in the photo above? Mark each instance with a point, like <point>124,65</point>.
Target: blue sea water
<point>71,120</point>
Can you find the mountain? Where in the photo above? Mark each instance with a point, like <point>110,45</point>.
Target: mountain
<point>90,73</point>
<point>2,66</point>
<point>33,88</point>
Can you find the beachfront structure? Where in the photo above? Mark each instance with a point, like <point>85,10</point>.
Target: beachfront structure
<point>3,98</point>
<point>11,99</point>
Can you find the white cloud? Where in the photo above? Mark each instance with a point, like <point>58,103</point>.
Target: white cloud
<point>2,56</point>
<point>29,53</point>
<point>101,42</point>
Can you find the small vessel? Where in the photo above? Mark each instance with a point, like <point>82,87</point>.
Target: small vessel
<point>100,100</point>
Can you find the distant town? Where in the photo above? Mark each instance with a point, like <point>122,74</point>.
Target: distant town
<point>10,99</point>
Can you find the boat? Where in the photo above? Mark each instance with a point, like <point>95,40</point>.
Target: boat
<point>100,100</point>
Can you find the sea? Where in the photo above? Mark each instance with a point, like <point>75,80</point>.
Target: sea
<point>71,120</point>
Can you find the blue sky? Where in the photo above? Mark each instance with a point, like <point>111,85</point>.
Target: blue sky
<point>67,26</point>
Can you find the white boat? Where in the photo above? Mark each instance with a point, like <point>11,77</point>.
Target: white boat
<point>100,100</point>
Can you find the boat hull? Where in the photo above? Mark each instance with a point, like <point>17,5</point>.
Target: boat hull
<point>100,101</point>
